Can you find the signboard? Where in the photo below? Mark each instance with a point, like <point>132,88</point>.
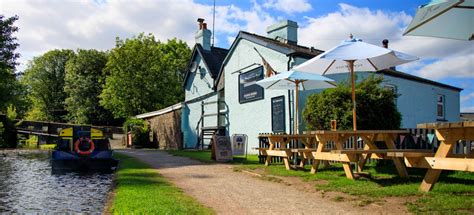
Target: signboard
<point>222,148</point>
<point>278,114</point>
<point>239,144</point>
<point>248,89</point>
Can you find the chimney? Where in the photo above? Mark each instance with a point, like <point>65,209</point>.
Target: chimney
<point>286,31</point>
<point>203,35</point>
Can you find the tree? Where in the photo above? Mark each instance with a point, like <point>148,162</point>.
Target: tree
<point>376,108</point>
<point>144,75</point>
<point>83,85</point>
<point>44,78</point>
<point>10,88</point>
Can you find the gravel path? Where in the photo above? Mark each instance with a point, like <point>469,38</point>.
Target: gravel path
<point>229,192</point>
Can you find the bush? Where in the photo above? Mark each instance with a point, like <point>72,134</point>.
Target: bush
<point>376,108</point>
<point>139,129</point>
<point>7,133</point>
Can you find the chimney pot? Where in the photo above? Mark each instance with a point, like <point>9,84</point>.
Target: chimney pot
<point>200,21</point>
<point>385,43</point>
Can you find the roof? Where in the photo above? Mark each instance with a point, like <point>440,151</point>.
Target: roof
<point>289,49</point>
<point>407,76</point>
<point>160,112</point>
<point>212,59</point>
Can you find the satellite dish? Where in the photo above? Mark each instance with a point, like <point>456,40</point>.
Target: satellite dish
<point>193,67</point>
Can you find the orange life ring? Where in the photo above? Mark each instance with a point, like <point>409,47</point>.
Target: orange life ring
<point>87,152</point>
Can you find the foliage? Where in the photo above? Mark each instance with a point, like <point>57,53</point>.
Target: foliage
<point>11,92</point>
<point>8,43</point>
<point>83,85</point>
<point>11,112</point>
<point>8,138</point>
<point>44,77</point>
<point>144,75</point>
<point>376,108</point>
<point>139,129</point>
<point>141,190</point>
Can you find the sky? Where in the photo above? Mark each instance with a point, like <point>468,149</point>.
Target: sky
<point>95,24</point>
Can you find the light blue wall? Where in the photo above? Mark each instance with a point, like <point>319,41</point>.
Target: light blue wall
<point>254,117</point>
<point>416,102</point>
<point>198,87</point>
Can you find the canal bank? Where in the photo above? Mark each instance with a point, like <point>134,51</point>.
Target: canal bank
<point>140,189</point>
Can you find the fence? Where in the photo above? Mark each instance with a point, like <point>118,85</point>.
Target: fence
<point>416,139</point>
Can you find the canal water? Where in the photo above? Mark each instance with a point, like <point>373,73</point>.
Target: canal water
<point>28,186</point>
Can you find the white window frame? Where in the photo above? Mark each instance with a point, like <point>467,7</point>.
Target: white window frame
<point>440,101</point>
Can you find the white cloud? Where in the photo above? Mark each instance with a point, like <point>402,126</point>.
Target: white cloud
<point>467,97</point>
<point>46,25</point>
<point>467,109</point>
<point>452,67</point>
<point>288,6</point>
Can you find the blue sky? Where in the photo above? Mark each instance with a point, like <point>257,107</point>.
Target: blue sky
<point>323,24</point>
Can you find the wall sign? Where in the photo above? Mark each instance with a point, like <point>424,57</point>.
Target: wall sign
<point>222,148</point>
<point>248,89</point>
<point>278,114</point>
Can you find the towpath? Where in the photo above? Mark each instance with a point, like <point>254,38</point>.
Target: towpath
<point>229,192</point>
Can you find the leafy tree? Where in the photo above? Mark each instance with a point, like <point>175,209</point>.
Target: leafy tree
<point>83,85</point>
<point>44,77</point>
<point>144,75</point>
<point>376,108</point>
<point>10,89</point>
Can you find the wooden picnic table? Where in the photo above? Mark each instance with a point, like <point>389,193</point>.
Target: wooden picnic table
<point>448,134</point>
<point>283,139</point>
<point>346,156</point>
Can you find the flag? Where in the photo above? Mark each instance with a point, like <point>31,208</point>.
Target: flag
<point>269,71</point>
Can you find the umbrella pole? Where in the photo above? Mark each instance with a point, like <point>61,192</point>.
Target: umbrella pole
<point>350,63</point>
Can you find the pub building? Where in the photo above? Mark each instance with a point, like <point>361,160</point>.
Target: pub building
<point>221,96</point>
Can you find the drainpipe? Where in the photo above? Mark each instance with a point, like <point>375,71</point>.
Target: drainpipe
<point>290,105</point>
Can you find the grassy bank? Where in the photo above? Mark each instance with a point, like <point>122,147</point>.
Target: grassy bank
<point>453,193</point>
<point>141,190</point>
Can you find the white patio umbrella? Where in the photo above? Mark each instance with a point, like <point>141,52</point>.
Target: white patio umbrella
<point>453,19</point>
<point>354,55</point>
<point>295,80</point>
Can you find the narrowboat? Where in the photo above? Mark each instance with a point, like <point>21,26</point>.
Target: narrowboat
<point>82,148</point>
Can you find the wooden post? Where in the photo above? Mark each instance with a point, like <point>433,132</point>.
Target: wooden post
<point>296,131</point>
<point>350,64</point>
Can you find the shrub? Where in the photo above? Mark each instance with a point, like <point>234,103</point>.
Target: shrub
<point>139,129</point>
<point>8,137</point>
<point>376,108</point>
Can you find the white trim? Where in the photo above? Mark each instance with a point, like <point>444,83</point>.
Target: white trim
<point>160,112</point>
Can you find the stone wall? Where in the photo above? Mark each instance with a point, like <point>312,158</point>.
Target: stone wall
<point>165,130</point>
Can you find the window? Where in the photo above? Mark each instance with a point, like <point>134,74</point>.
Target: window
<point>440,107</point>
<point>248,89</point>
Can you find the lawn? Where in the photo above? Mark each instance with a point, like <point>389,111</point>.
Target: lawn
<point>454,191</point>
<point>141,190</point>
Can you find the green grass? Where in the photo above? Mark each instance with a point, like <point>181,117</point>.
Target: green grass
<point>47,146</point>
<point>454,192</point>
<point>141,190</point>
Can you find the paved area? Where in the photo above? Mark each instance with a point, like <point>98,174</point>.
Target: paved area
<point>229,192</point>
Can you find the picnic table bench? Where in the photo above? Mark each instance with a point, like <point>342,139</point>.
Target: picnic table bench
<point>283,151</point>
<point>346,156</point>
<point>448,134</point>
